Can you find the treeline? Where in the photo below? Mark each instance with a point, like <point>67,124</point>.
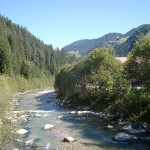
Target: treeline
<point>23,54</point>
<point>100,81</point>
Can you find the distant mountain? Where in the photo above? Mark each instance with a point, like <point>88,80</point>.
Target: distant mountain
<point>86,45</point>
<point>122,43</point>
<point>131,37</point>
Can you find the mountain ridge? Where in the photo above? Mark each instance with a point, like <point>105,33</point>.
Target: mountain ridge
<point>121,43</point>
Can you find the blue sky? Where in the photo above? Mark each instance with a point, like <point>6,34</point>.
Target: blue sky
<point>61,22</point>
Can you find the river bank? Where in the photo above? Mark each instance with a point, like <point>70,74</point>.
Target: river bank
<point>36,109</point>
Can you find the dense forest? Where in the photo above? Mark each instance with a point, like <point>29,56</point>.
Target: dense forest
<point>100,81</point>
<point>24,54</point>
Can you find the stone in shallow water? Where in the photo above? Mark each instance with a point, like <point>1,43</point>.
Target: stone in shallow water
<point>109,127</point>
<point>29,142</point>
<point>73,112</point>
<point>37,115</point>
<point>69,139</point>
<point>48,126</point>
<point>22,131</point>
<point>122,137</point>
<point>127,127</point>
<point>60,117</point>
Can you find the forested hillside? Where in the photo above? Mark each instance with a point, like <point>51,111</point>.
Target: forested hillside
<point>24,54</point>
<point>86,46</point>
<point>121,43</point>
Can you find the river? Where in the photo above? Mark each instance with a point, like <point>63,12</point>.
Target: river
<point>89,133</point>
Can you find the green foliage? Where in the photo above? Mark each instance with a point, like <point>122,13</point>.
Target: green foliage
<point>139,62</point>
<point>21,52</point>
<point>4,59</point>
<point>139,67</point>
<point>100,81</point>
<point>94,80</point>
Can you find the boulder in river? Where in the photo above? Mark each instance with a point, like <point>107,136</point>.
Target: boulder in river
<point>140,125</point>
<point>109,127</point>
<point>127,127</point>
<point>30,142</point>
<point>73,112</point>
<point>60,117</point>
<point>48,126</point>
<point>69,139</point>
<point>22,131</point>
<point>37,115</point>
<point>123,137</point>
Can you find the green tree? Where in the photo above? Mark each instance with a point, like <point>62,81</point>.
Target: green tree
<point>139,62</point>
<point>4,59</point>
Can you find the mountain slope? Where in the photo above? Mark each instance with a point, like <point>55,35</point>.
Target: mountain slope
<point>132,36</point>
<point>21,53</point>
<point>85,46</point>
<point>122,43</point>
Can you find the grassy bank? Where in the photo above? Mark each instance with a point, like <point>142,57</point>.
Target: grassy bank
<point>8,87</point>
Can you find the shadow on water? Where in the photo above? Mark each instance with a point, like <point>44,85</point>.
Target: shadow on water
<point>90,129</point>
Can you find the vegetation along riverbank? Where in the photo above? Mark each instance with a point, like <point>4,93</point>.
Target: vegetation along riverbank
<point>102,83</point>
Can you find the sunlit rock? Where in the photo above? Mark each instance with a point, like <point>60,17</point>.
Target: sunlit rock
<point>30,142</point>
<point>109,127</point>
<point>48,126</point>
<point>73,112</point>
<point>69,139</point>
<point>60,117</point>
<point>127,127</point>
<point>122,137</point>
<point>80,112</point>
<point>22,131</point>
<point>37,115</point>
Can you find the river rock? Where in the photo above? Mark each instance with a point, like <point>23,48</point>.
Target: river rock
<point>22,131</point>
<point>80,112</point>
<point>109,127</point>
<point>73,112</point>
<point>30,142</point>
<point>37,115</point>
<point>127,127</point>
<point>140,125</point>
<point>60,117</point>
<point>24,119</point>
<point>69,139</point>
<point>48,126</point>
<point>122,137</point>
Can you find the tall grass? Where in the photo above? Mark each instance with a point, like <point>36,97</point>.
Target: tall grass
<point>8,87</point>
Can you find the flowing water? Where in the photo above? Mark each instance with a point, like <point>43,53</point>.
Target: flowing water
<point>89,133</point>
